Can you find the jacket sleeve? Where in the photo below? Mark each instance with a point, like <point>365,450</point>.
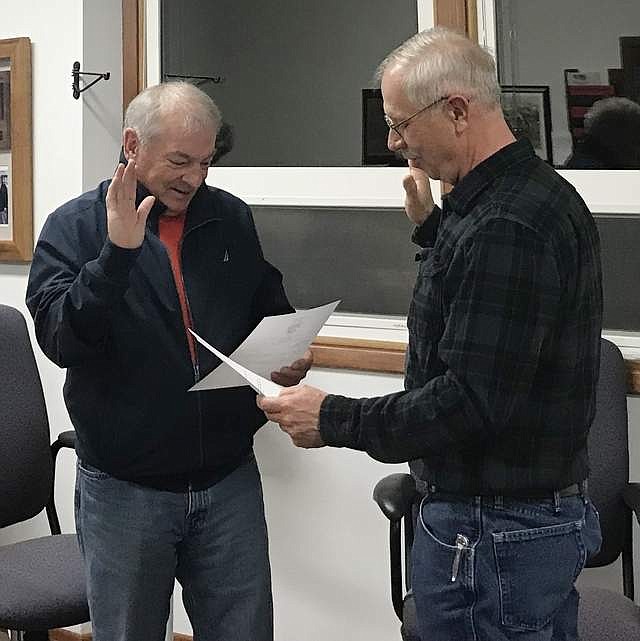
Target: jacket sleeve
<point>75,285</point>
<point>270,298</point>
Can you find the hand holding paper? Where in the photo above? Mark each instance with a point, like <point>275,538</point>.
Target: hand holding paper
<point>259,384</point>
<point>297,410</point>
<point>274,343</point>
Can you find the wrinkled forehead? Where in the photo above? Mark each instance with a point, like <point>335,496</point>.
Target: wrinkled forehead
<point>179,133</point>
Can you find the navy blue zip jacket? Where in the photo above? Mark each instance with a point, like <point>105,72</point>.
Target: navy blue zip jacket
<point>112,317</point>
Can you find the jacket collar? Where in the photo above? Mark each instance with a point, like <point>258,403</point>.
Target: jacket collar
<point>462,197</point>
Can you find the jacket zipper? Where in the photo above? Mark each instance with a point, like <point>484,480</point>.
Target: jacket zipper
<point>195,362</point>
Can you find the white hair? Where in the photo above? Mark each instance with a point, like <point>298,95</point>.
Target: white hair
<point>440,62</point>
<point>617,109</point>
<point>148,111</point>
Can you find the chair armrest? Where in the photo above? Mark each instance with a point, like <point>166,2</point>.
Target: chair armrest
<point>631,496</point>
<point>65,439</point>
<point>395,494</point>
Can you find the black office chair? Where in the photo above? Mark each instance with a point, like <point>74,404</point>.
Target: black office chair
<point>42,581</point>
<point>604,615</point>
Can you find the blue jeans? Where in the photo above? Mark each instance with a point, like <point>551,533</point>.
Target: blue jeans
<point>136,540</point>
<point>501,569</point>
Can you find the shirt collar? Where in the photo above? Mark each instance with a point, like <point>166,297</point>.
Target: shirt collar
<point>462,197</point>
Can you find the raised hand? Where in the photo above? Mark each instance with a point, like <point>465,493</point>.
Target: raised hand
<point>125,223</point>
<point>418,202</point>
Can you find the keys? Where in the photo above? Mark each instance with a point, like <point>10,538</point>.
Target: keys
<point>462,543</point>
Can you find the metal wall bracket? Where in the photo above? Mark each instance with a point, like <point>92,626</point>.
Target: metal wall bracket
<point>76,73</point>
<point>197,80</point>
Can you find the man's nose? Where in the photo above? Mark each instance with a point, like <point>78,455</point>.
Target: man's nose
<point>194,176</point>
<point>395,141</point>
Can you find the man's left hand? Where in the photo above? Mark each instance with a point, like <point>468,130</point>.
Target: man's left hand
<point>294,373</point>
<point>297,410</point>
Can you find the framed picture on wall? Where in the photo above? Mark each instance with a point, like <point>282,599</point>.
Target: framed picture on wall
<point>527,109</point>
<point>5,108</point>
<point>16,182</point>
<point>4,195</point>
<point>375,132</point>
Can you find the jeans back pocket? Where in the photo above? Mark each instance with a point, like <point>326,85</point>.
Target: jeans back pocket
<point>537,569</point>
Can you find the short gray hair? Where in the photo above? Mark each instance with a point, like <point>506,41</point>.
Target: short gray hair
<point>439,62</point>
<point>619,110</point>
<point>147,111</point>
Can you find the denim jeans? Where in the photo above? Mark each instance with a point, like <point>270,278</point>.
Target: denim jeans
<point>136,540</point>
<point>501,569</point>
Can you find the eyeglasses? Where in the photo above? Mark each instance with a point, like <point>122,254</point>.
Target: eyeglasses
<point>404,123</point>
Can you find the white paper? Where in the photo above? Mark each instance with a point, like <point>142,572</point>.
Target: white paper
<point>259,384</point>
<point>276,342</point>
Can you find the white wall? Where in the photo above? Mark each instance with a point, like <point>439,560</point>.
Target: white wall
<point>69,152</point>
<point>56,35</point>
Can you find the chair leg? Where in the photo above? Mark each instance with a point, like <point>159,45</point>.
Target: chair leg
<point>16,635</point>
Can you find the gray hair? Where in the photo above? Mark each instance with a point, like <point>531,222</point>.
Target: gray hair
<point>620,110</point>
<point>147,112</point>
<point>439,62</point>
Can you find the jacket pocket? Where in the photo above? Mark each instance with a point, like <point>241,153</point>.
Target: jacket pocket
<point>425,319</point>
<point>536,572</point>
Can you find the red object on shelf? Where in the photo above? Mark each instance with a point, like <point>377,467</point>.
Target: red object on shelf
<point>590,90</point>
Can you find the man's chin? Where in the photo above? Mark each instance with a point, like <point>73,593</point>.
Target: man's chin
<point>418,164</point>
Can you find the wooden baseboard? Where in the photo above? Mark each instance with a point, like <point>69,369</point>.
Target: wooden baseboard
<point>68,635</point>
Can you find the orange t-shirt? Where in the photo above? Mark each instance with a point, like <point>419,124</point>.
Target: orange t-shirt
<point>170,230</point>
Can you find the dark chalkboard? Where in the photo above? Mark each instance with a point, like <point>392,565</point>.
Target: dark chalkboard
<point>366,258</point>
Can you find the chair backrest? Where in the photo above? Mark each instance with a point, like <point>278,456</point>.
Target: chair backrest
<point>609,454</point>
<point>26,468</point>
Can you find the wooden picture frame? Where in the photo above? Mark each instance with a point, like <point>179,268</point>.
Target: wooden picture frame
<point>16,173</point>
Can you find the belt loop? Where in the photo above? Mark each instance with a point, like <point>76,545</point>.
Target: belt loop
<point>556,501</point>
<point>498,502</point>
<point>583,486</point>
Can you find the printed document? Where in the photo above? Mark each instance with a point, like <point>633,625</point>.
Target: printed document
<point>276,342</point>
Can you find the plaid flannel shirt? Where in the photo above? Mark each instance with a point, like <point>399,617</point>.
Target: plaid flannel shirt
<point>504,339</point>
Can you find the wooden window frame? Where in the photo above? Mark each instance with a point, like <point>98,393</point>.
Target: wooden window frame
<point>19,248</point>
<point>133,50</point>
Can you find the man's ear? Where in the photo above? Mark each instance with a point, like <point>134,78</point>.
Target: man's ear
<point>458,107</point>
<point>130,143</point>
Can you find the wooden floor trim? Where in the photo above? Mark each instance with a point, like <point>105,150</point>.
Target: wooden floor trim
<point>67,635</point>
<point>388,357</point>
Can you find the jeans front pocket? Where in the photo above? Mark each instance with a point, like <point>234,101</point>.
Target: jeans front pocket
<point>537,569</point>
<point>91,472</point>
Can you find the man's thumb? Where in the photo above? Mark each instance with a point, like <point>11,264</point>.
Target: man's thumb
<point>410,187</point>
<point>145,207</point>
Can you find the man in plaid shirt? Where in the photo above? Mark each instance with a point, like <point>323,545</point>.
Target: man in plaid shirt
<point>502,364</point>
